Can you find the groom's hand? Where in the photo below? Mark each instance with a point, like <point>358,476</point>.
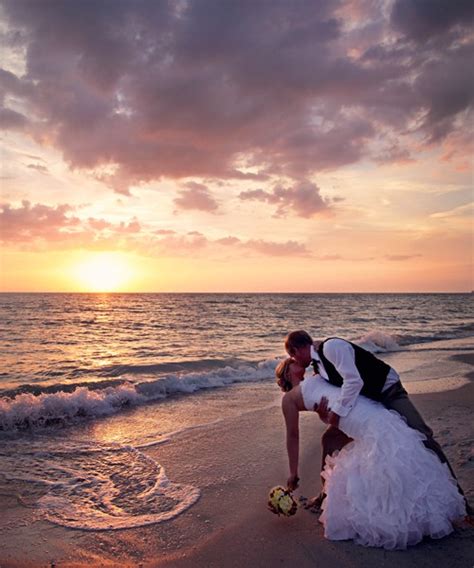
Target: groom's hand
<point>333,419</point>
<point>326,414</point>
<point>323,410</point>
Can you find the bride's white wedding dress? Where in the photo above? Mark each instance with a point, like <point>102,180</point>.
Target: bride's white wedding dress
<point>385,488</point>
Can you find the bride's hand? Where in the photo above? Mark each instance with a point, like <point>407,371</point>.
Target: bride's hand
<point>292,482</point>
<point>323,410</point>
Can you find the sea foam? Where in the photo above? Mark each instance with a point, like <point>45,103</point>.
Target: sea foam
<point>377,341</point>
<point>26,410</point>
<point>92,486</point>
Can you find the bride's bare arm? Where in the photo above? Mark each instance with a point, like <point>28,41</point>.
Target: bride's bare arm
<point>290,412</point>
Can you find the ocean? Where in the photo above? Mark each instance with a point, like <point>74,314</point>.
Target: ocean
<point>88,382</point>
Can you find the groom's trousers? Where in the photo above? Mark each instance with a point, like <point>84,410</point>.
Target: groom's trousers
<point>394,398</point>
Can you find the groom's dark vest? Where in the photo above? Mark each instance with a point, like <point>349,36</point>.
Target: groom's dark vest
<point>372,371</point>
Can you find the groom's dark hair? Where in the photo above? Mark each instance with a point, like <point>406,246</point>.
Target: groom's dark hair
<point>297,339</point>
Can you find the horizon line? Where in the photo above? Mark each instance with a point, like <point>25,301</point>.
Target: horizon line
<point>233,292</point>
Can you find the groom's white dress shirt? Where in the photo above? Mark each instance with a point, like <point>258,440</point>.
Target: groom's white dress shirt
<point>342,356</point>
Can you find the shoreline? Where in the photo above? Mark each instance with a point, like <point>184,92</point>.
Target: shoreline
<point>235,463</point>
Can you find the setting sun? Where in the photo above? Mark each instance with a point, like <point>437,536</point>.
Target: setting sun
<point>103,272</point>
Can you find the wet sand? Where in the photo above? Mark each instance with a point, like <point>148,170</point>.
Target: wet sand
<point>235,463</point>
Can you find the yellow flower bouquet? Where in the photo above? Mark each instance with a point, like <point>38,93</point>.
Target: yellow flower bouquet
<point>281,502</point>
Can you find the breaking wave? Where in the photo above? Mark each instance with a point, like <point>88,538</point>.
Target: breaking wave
<point>61,405</point>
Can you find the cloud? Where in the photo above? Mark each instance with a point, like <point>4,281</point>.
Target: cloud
<point>466,210</point>
<point>10,84</point>
<point>98,224</point>
<point>57,225</point>
<point>401,257</point>
<point>194,241</point>
<point>132,227</point>
<point>30,221</point>
<point>165,232</point>
<point>228,241</point>
<point>303,199</point>
<point>268,248</point>
<point>174,244</point>
<point>12,120</point>
<point>394,153</point>
<point>196,196</point>
<point>420,20</point>
<point>35,225</point>
<point>446,92</point>
<point>234,90</point>
<point>38,167</point>
<point>264,247</point>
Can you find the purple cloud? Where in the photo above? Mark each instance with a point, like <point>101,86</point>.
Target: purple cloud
<point>190,89</point>
<point>30,221</point>
<point>58,225</point>
<point>446,92</point>
<point>12,120</point>
<point>420,20</point>
<point>303,199</point>
<point>196,196</point>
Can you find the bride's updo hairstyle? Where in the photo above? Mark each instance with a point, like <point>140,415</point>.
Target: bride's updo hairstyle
<point>282,374</point>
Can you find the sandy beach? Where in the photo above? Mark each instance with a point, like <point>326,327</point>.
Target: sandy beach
<point>235,463</point>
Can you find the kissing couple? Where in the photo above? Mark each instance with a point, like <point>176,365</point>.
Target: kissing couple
<point>386,480</point>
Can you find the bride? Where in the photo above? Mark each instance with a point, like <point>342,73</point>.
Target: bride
<point>384,488</point>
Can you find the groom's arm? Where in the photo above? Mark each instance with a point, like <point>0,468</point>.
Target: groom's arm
<point>341,354</point>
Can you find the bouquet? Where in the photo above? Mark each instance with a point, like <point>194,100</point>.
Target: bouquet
<point>281,502</point>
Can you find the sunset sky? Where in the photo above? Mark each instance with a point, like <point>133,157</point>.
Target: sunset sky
<point>236,145</point>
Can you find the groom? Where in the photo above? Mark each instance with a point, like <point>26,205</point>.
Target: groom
<point>356,371</point>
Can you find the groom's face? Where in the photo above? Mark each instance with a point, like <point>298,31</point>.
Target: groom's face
<point>302,355</point>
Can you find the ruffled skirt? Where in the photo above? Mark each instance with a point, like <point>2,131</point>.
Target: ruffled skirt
<point>386,489</point>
